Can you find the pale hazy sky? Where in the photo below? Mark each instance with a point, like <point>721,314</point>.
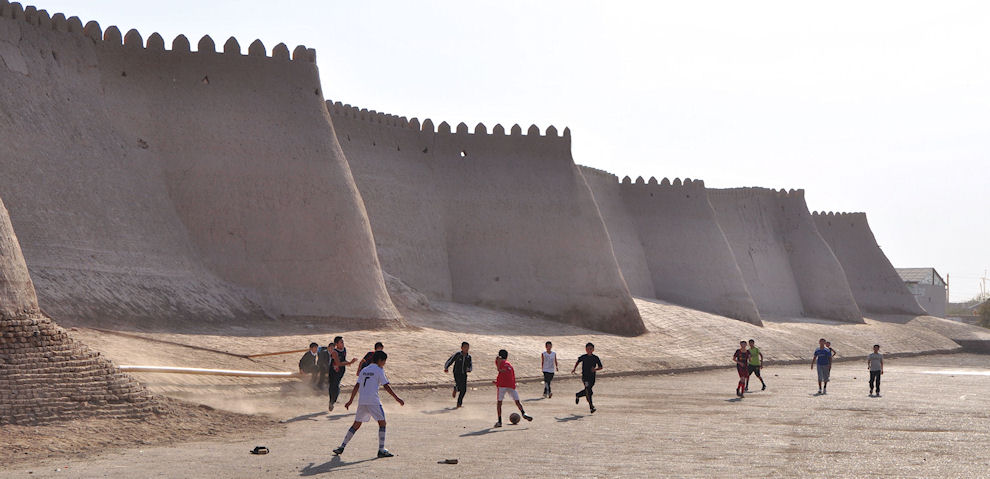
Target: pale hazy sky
<point>882,107</point>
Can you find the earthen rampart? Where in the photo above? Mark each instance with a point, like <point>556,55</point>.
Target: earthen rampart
<point>688,254</point>
<point>203,185</point>
<point>521,229</point>
<point>874,282</point>
<point>622,231</point>
<point>788,268</point>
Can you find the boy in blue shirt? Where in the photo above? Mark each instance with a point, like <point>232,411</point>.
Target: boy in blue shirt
<point>823,358</point>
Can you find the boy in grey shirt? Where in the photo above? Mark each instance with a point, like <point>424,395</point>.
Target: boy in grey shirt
<point>875,362</point>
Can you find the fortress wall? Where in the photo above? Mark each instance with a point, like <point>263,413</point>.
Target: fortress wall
<point>391,161</point>
<point>749,218</point>
<point>875,284</point>
<point>687,252</point>
<point>622,231</point>
<point>825,292</point>
<point>524,231</point>
<point>520,227</point>
<point>153,184</point>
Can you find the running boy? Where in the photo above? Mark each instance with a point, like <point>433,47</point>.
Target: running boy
<point>823,358</point>
<point>741,358</point>
<point>875,362</point>
<point>366,360</point>
<point>506,383</point>
<point>755,363</point>
<point>590,365</point>
<point>548,360</point>
<point>370,405</point>
<point>462,366</point>
<point>338,365</point>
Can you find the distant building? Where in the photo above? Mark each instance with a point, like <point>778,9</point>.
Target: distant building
<point>928,288</point>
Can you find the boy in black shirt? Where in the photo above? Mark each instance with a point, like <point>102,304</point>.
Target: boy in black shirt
<point>462,366</point>
<point>366,360</point>
<point>590,364</point>
<point>310,364</point>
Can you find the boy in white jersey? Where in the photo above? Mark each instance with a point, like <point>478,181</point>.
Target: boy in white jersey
<point>548,360</point>
<point>370,405</point>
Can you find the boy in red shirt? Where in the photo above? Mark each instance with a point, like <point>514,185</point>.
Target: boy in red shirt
<point>506,383</point>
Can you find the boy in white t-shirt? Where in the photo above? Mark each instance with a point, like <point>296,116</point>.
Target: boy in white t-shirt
<point>548,359</point>
<point>370,405</point>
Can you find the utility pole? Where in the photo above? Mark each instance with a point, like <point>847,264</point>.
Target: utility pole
<point>983,286</point>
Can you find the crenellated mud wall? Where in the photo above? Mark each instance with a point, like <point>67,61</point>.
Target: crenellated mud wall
<point>666,239</point>
<point>622,231</point>
<point>788,268</point>
<point>156,184</point>
<point>520,228</point>
<point>688,255</point>
<point>874,282</point>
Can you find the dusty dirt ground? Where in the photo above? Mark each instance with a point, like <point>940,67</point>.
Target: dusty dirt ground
<point>174,421</point>
<point>932,421</point>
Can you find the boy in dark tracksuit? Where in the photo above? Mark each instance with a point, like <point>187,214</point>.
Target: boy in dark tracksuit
<point>590,365</point>
<point>462,366</point>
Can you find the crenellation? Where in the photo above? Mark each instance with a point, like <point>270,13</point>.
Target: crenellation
<point>299,53</point>
<point>133,40</point>
<point>498,130</point>
<point>665,182</point>
<point>443,128</point>
<point>59,23</point>
<point>16,11</point>
<point>462,128</point>
<point>74,25</point>
<point>280,52</point>
<point>552,132</point>
<point>44,20</point>
<point>677,182</point>
<point>155,43</point>
<point>180,44</point>
<point>93,31</point>
<point>231,47</point>
<point>626,180</point>
<point>428,126</point>
<point>480,129</point>
<point>653,180</point>
<point>639,180</point>
<point>516,130</point>
<point>31,14</point>
<point>414,124</point>
<point>257,49</point>
<point>533,131</point>
<point>206,45</point>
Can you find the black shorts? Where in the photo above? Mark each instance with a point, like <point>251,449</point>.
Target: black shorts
<point>754,369</point>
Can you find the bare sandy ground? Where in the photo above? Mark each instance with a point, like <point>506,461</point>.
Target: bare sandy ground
<point>686,425</point>
<point>679,339</point>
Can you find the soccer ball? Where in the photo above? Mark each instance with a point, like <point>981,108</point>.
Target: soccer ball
<point>514,418</point>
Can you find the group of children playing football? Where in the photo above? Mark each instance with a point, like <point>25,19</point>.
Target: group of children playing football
<point>371,375</point>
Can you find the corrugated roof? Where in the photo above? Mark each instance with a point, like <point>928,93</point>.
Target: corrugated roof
<point>919,275</point>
